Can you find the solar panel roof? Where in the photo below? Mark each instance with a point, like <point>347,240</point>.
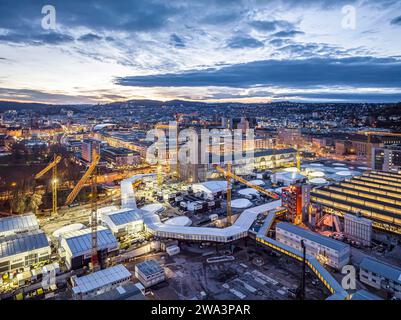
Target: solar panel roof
<point>19,243</point>
<point>18,223</point>
<point>80,241</point>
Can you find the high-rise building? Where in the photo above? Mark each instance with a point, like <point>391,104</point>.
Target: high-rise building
<point>296,199</point>
<point>87,148</point>
<point>387,158</point>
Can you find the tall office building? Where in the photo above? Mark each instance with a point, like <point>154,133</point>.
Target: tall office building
<point>87,148</point>
<point>387,158</point>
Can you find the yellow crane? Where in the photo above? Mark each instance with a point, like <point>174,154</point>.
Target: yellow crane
<point>229,175</point>
<point>71,197</point>
<point>52,166</point>
<point>89,174</point>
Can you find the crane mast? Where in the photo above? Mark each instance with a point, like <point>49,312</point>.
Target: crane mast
<point>229,210</point>
<point>90,174</point>
<point>52,166</point>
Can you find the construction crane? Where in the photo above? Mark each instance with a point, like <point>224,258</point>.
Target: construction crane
<point>89,174</point>
<point>229,175</point>
<point>71,197</point>
<point>52,166</point>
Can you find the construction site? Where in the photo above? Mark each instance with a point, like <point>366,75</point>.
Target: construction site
<point>255,236</point>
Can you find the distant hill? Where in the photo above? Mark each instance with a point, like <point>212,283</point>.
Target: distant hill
<point>37,107</point>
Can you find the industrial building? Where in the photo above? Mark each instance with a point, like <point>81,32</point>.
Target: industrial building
<point>99,282</point>
<point>149,273</point>
<point>17,224</point>
<point>380,275</point>
<point>375,195</point>
<point>358,229</point>
<point>76,246</point>
<point>23,250</point>
<point>123,222</point>
<point>331,252</point>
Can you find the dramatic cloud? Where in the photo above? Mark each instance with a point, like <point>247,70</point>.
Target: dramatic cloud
<point>244,41</point>
<point>287,34</point>
<point>50,38</point>
<point>356,71</point>
<point>209,49</point>
<point>270,25</point>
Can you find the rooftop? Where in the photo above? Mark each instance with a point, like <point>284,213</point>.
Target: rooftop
<point>19,243</point>
<point>383,269</point>
<point>80,242</point>
<point>18,223</point>
<point>149,267</point>
<point>99,279</point>
<point>312,236</point>
<point>124,216</point>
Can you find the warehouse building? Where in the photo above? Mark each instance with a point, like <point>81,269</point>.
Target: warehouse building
<point>23,250</point>
<point>123,222</point>
<point>99,282</point>
<point>380,275</point>
<point>128,291</point>
<point>331,252</point>
<point>17,224</point>
<point>77,246</point>
<point>358,229</point>
<point>149,273</point>
<point>375,195</point>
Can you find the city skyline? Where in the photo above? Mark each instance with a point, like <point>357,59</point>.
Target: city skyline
<point>248,51</point>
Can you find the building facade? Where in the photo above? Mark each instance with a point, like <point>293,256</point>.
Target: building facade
<point>328,251</point>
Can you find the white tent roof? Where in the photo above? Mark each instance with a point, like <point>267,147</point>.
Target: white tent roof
<point>68,228</point>
<point>179,221</point>
<point>248,191</point>
<point>241,203</point>
<point>344,173</point>
<point>316,164</point>
<point>210,186</point>
<point>317,174</point>
<point>318,181</point>
<point>257,182</point>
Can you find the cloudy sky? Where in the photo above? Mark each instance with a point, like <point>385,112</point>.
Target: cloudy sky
<point>211,50</point>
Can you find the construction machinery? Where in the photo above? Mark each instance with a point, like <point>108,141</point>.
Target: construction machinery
<point>52,166</point>
<point>230,175</point>
<point>90,174</point>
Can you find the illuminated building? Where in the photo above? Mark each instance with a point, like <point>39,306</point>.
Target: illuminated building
<point>374,195</point>
<point>332,252</point>
<point>23,250</point>
<point>296,199</point>
<point>387,158</point>
<point>87,147</point>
